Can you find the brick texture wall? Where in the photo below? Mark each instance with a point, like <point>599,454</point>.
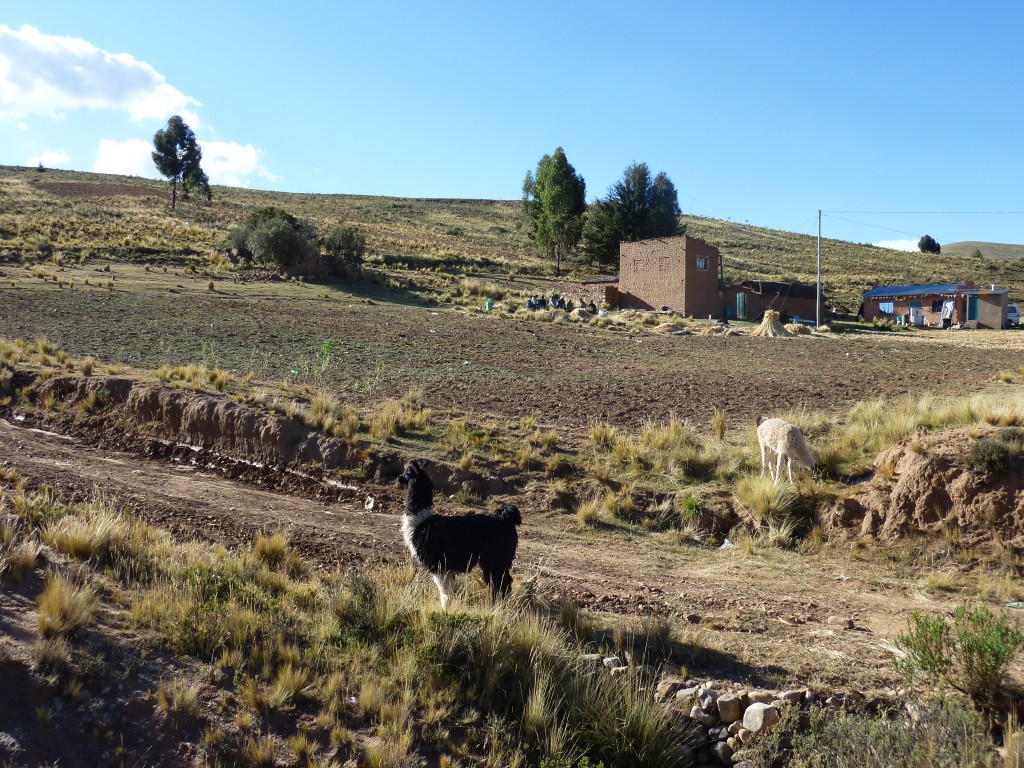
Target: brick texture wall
<point>677,272</point>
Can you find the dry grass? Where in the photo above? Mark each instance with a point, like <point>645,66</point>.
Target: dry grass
<point>63,608</point>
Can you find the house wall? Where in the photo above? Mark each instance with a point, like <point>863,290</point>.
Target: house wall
<point>901,306</point>
<point>602,294</point>
<point>664,272</point>
<point>756,303</point>
<point>991,310</point>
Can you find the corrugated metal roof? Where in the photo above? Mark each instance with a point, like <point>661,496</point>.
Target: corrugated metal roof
<point>912,290</point>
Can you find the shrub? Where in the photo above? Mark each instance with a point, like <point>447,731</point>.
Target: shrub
<point>765,499</point>
<point>64,607</point>
<point>969,653</point>
<point>989,456</point>
<point>345,245</point>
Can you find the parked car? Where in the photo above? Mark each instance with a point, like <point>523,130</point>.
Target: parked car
<point>1012,315</point>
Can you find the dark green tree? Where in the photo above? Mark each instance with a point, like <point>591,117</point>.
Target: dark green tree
<point>345,245</point>
<point>555,199</point>
<point>636,207</point>
<point>928,244</point>
<point>178,156</point>
<point>274,238</point>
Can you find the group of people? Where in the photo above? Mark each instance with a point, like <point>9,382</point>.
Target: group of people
<point>558,302</point>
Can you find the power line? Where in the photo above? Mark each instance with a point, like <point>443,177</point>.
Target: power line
<point>931,213</point>
<point>873,226</point>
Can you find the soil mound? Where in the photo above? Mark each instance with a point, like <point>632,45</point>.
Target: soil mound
<point>924,484</point>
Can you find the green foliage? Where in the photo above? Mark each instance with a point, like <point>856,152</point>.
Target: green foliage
<point>928,244</point>
<point>554,199</point>
<point>636,207</point>
<point>345,245</point>
<point>991,456</point>
<point>969,653</point>
<point>177,156</point>
<point>281,242</point>
<point>947,733</point>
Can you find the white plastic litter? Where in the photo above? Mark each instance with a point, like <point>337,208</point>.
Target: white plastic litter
<point>369,504</point>
<point>727,545</point>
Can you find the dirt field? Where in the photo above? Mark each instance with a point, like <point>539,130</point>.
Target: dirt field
<point>387,342</point>
<point>757,617</point>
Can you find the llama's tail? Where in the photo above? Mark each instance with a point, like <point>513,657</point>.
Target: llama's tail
<point>510,514</point>
<point>759,420</point>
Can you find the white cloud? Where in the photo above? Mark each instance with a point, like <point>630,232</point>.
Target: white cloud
<point>130,158</point>
<point>897,245</point>
<point>232,164</point>
<point>51,158</point>
<point>23,126</point>
<point>51,76</point>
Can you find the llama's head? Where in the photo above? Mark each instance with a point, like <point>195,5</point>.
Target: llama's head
<point>419,489</point>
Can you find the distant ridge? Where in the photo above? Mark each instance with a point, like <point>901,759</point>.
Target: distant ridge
<point>988,250</point>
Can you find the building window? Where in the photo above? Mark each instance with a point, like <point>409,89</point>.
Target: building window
<point>886,307</point>
<point>702,262</point>
<point>936,305</point>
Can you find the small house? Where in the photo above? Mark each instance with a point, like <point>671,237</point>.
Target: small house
<point>749,300</point>
<point>938,304</point>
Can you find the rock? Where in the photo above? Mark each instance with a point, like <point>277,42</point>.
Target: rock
<point>761,697</point>
<point>700,716</point>
<point>730,709</point>
<point>618,671</point>
<point>793,696</point>
<point>668,686</point>
<point>843,622</point>
<point>760,717</point>
<point>722,752</point>
<point>592,659</point>
<point>744,736</point>
<point>707,698</point>
<point>810,698</point>
<point>686,693</point>
<point>735,728</point>
<point>733,743</point>
<point>613,662</point>
<point>721,733</point>
<point>836,700</point>
<point>693,618</point>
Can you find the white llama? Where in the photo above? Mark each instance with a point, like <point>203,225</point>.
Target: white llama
<point>785,441</point>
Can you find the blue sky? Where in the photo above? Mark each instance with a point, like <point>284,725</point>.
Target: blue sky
<point>759,112</point>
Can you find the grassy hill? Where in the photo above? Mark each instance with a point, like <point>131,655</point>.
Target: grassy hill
<point>988,250</point>
<point>120,217</point>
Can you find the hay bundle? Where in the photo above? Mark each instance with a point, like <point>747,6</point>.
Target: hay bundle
<point>798,330</point>
<point>719,330</point>
<point>771,327</point>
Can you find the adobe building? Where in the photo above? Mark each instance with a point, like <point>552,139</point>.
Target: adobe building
<point>676,272</point>
<point>748,300</point>
<point>938,304</point>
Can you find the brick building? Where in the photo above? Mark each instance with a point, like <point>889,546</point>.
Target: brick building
<point>748,300</point>
<point>676,272</point>
<point>938,304</point>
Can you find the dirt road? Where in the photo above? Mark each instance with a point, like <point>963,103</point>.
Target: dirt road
<point>761,618</point>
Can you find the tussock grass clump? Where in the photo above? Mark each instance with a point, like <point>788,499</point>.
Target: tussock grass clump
<point>178,699</point>
<point>63,608</point>
<point>765,499</point>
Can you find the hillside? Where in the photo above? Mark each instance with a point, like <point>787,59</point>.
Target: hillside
<point>988,250</point>
<point>127,218</point>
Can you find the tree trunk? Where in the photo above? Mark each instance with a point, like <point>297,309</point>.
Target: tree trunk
<point>174,192</point>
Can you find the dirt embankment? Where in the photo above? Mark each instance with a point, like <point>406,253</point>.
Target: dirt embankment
<point>923,485</point>
<point>237,438</point>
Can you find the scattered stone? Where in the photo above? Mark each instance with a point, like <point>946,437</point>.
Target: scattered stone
<point>700,716</point>
<point>618,671</point>
<point>760,717</point>
<point>686,693</point>
<point>723,752</point>
<point>707,698</point>
<point>670,669</point>
<point>744,735</point>
<point>835,701</point>
<point>761,697</point>
<point>592,659</point>
<point>669,686</point>
<point>794,696</point>
<point>735,728</point>
<point>843,622</point>
<point>693,618</point>
<point>733,743</point>
<point>730,709</point>
<point>721,733</point>
<point>612,662</point>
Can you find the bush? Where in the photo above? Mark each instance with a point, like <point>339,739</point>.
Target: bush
<point>277,243</point>
<point>970,654</point>
<point>345,246</point>
<point>989,456</point>
<point>947,733</point>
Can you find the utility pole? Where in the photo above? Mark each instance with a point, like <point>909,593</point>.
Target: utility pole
<point>817,303</point>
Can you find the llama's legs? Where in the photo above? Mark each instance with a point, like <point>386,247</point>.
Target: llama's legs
<point>762,458</point>
<point>789,468</point>
<point>444,586</point>
<point>778,468</point>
